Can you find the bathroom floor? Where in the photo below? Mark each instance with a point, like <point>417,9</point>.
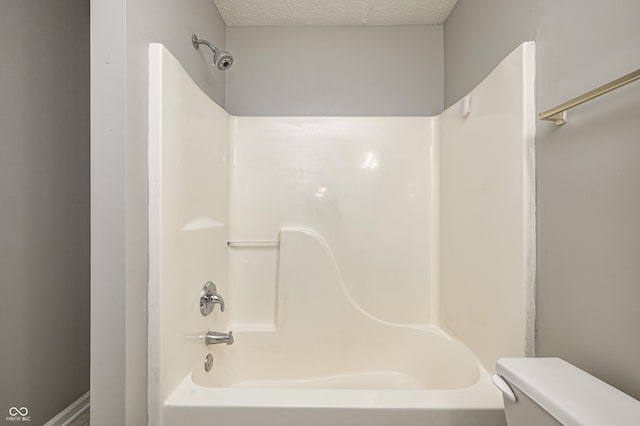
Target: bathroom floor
<point>82,419</point>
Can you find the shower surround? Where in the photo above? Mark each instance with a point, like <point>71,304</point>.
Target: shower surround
<point>403,267</point>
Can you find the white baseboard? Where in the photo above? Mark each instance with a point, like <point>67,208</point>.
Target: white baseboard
<point>70,413</point>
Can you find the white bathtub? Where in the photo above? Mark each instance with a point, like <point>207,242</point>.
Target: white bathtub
<point>328,361</point>
<point>392,376</point>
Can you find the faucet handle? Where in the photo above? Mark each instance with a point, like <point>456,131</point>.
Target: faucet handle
<point>209,297</point>
<point>219,300</point>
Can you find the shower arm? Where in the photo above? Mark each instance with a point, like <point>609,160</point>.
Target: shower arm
<point>198,41</point>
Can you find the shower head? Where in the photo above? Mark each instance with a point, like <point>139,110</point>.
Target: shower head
<point>221,58</point>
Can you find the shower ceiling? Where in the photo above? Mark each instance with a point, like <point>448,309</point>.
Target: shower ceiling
<point>334,12</point>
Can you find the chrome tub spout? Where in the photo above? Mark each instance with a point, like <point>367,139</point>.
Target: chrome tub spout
<point>215,338</point>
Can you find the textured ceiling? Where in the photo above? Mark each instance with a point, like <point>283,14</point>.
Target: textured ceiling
<point>334,12</point>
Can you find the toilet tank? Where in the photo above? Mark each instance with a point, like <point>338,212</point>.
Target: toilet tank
<point>550,391</point>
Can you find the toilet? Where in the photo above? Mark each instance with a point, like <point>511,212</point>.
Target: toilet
<point>550,391</point>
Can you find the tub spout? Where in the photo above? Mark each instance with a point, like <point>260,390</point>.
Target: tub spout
<point>215,338</point>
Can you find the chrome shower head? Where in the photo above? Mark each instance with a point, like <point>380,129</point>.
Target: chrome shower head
<point>221,58</point>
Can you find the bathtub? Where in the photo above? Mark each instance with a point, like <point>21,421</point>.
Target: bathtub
<point>389,377</point>
<point>328,361</point>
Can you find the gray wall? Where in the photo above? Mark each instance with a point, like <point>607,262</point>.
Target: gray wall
<point>588,290</point>
<point>477,36</point>
<point>352,70</point>
<point>44,205</point>
<point>121,31</point>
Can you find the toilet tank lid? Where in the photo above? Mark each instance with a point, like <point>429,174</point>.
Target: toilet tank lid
<point>568,393</point>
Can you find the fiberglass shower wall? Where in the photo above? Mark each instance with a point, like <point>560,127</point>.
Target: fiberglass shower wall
<point>365,185</point>
<point>188,219</point>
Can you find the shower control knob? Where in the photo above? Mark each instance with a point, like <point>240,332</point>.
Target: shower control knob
<point>209,297</point>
